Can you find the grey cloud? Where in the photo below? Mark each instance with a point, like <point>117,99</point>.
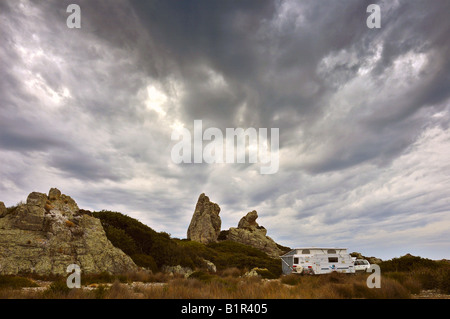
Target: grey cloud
<point>21,139</point>
<point>246,59</point>
<point>83,167</point>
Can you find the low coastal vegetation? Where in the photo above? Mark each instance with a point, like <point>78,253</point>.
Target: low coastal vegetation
<point>230,283</point>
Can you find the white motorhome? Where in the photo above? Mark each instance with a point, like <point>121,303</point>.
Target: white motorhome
<point>317,260</point>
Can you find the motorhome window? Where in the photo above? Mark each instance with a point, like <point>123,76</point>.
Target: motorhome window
<point>295,260</point>
<point>331,251</point>
<point>332,259</point>
<point>305,251</point>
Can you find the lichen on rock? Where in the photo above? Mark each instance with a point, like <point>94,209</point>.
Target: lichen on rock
<point>250,233</point>
<point>205,228</point>
<point>49,233</point>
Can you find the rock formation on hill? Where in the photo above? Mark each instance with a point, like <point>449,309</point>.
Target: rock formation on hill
<point>205,223</point>
<point>49,233</point>
<point>249,221</point>
<point>205,228</point>
<point>250,233</point>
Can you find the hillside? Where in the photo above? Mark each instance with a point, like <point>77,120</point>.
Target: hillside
<point>244,247</point>
<point>154,250</point>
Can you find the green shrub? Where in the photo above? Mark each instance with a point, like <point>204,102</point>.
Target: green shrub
<point>444,284</point>
<point>407,263</point>
<point>223,235</point>
<point>266,274</point>
<point>417,273</point>
<point>202,276</point>
<point>145,261</point>
<point>57,289</point>
<point>195,252</point>
<point>120,239</point>
<point>137,239</point>
<point>15,282</point>
<point>427,279</point>
<point>229,246</point>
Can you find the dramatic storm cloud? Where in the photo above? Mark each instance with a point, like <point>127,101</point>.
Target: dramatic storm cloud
<point>363,114</point>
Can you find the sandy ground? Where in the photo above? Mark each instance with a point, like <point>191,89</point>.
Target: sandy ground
<point>430,294</point>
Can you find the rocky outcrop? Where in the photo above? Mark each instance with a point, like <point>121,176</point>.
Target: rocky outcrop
<point>205,228</point>
<point>205,223</point>
<point>250,233</point>
<point>49,233</point>
<point>256,272</point>
<point>54,194</point>
<point>249,221</point>
<point>209,265</point>
<point>177,270</point>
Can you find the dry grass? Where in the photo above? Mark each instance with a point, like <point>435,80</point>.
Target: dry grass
<point>231,272</point>
<point>147,276</point>
<point>119,291</point>
<point>227,285</point>
<point>329,287</point>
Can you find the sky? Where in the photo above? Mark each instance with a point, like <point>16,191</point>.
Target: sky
<point>363,114</point>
